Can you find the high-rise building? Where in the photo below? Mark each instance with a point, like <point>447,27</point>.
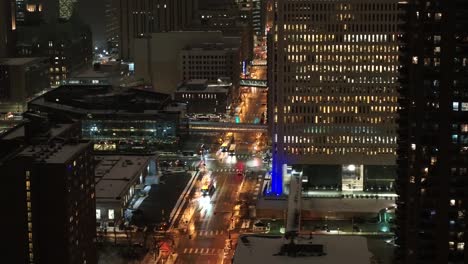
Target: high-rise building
<point>333,68</point>
<point>160,59</point>
<point>140,18</point>
<point>433,134</point>
<point>5,27</point>
<point>215,4</point>
<point>210,61</point>
<point>50,178</point>
<point>112,25</point>
<point>20,80</point>
<point>257,11</point>
<point>26,12</point>
<point>67,44</point>
<point>66,9</point>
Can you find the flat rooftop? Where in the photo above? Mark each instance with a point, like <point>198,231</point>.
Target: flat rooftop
<point>338,249</point>
<point>55,154</point>
<point>113,174</point>
<point>331,204</point>
<point>203,86</point>
<point>19,61</point>
<point>102,99</point>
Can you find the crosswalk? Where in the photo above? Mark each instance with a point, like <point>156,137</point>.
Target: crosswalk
<point>243,156</point>
<point>203,251</point>
<point>209,233</point>
<point>225,170</point>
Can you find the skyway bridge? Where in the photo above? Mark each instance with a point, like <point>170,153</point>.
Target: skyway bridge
<point>202,126</point>
<point>253,83</point>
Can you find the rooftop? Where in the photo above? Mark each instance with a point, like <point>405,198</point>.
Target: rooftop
<point>338,250</point>
<point>115,173</point>
<point>337,204</point>
<point>83,99</point>
<point>203,86</point>
<point>57,153</point>
<point>19,61</point>
<point>211,47</point>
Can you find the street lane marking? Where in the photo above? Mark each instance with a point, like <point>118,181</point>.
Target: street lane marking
<point>203,251</point>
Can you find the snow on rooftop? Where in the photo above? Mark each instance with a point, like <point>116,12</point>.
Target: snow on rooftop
<point>57,154</point>
<point>338,204</point>
<point>115,173</point>
<point>338,249</point>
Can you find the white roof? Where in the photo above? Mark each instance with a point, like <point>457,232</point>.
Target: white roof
<point>338,249</point>
<point>114,174</point>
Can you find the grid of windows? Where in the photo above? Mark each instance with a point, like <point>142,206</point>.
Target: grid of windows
<point>433,139</point>
<point>334,79</point>
<point>208,64</point>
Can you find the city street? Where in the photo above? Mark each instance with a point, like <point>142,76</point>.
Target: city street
<point>206,237</point>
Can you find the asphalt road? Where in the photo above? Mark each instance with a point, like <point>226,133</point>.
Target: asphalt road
<point>215,221</point>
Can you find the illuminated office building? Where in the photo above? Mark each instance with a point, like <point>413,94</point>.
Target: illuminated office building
<point>26,11</point>
<point>433,134</point>
<point>333,68</point>
<point>66,9</point>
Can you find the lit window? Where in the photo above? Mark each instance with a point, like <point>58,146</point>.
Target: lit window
<point>464,128</point>
<point>111,214</point>
<point>464,106</point>
<point>415,60</point>
<point>98,214</point>
<point>460,246</point>
<point>452,202</point>
<point>413,146</point>
<point>455,106</point>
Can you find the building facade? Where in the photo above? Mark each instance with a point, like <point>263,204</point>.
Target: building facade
<point>68,45</point>
<point>232,22</point>
<point>433,134</point>
<point>116,121</point>
<point>118,180</point>
<point>257,11</point>
<point>141,18</point>
<point>51,182</point>
<point>5,28</point>
<point>210,61</point>
<point>66,9</point>
<point>20,79</point>
<point>203,97</point>
<point>112,25</point>
<point>333,70</point>
<point>159,60</point>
